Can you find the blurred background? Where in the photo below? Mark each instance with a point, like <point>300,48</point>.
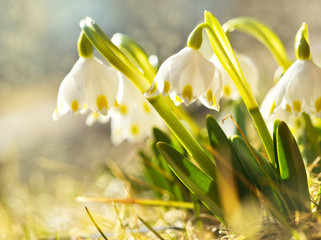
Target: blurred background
<point>56,161</point>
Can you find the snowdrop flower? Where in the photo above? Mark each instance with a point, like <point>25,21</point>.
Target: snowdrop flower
<point>186,76</point>
<point>133,117</point>
<point>298,90</point>
<point>277,114</point>
<point>89,85</point>
<point>249,69</point>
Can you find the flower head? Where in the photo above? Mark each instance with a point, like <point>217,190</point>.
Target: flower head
<point>89,85</point>
<point>298,90</point>
<point>186,76</point>
<point>250,70</point>
<point>132,117</point>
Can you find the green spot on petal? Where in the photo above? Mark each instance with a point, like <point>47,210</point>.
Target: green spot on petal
<point>288,108</point>
<point>146,107</point>
<point>188,92</point>
<point>167,86</point>
<point>74,105</point>
<point>318,105</point>
<point>134,129</point>
<point>297,106</point>
<point>123,109</point>
<point>209,95</point>
<point>227,90</point>
<point>101,102</point>
<point>272,107</point>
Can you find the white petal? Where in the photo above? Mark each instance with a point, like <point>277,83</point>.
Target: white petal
<point>101,85</point>
<point>249,69</point>
<point>186,76</point>
<point>212,96</point>
<point>94,117</point>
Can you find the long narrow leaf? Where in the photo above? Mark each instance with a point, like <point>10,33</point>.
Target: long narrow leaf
<point>196,180</point>
<point>225,157</point>
<point>265,180</point>
<point>292,169</point>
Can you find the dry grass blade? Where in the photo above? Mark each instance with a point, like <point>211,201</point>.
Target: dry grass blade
<point>147,202</point>
<point>96,225</point>
<point>150,228</point>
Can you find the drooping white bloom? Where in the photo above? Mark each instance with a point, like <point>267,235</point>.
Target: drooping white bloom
<point>89,85</point>
<point>249,69</point>
<point>298,90</point>
<point>186,76</point>
<point>277,114</point>
<point>132,117</point>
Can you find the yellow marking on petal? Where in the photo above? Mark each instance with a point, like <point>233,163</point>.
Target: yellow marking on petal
<point>95,115</point>
<point>187,92</point>
<point>74,105</point>
<point>167,86</point>
<point>298,123</point>
<point>123,109</point>
<point>146,107</point>
<point>297,106</point>
<point>214,101</point>
<point>116,104</point>
<point>318,104</point>
<point>101,102</point>
<point>178,99</point>
<point>288,108</point>
<point>209,95</point>
<point>272,108</point>
<point>227,90</point>
<point>134,129</point>
<point>153,89</point>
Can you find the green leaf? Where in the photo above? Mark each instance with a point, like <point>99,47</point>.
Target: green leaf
<point>275,127</point>
<point>203,186</point>
<point>262,33</point>
<point>292,169</point>
<point>177,189</point>
<point>159,180</point>
<point>135,52</point>
<point>259,172</point>
<point>226,159</point>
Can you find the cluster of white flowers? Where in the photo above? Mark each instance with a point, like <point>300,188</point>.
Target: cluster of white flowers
<point>188,75</point>
<point>108,95</point>
<point>297,91</point>
<point>185,77</point>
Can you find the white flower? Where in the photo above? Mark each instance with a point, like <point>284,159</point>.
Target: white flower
<point>277,114</point>
<point>186,76</point>
<point>298,90</point>
<point>89,85</point>
<point>132,117</point>
<point>249,69</point>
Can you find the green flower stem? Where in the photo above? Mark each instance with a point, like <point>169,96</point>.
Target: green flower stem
<point>135,52</point>
<point>196,151</point>
<point>224,52</point>
<point>103,44</point>
<point>301,45</point>
<point>263,132</point>
<point>85,48</point>
<point>262,33</point>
